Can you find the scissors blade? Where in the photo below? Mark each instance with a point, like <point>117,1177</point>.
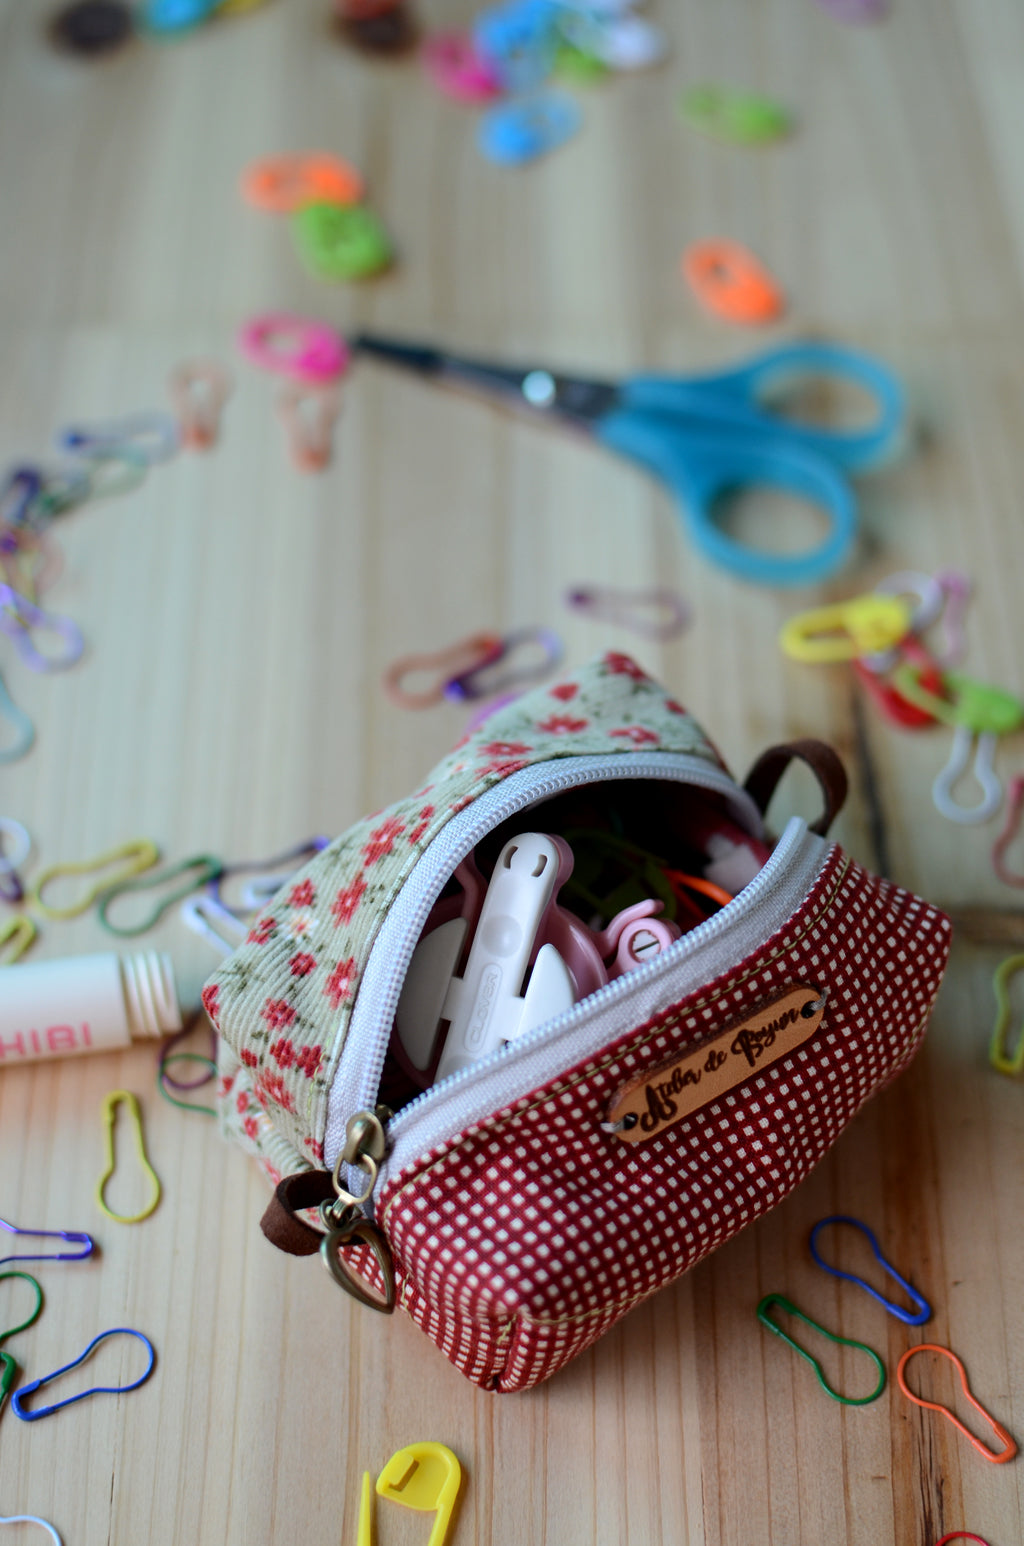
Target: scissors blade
<point>577,399</point>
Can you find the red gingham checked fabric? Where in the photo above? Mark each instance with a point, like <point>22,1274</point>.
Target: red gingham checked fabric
<point>520,1242</point>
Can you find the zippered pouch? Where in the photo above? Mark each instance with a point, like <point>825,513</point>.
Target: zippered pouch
<point>611,1117</point>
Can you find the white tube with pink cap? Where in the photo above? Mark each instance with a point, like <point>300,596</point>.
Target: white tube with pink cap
<point>93,1003</point>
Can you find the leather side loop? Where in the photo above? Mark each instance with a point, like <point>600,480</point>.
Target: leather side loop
<point>764,777</point>
<point>280,1224</point>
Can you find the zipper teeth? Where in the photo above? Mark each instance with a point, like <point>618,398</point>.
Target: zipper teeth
<point>629,982</point>
<point>695,772</point>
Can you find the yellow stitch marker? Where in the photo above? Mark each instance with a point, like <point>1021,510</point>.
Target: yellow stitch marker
<point>365,1536</point>
<point>139,854</point>
<point>15,937</point>
<point>1003,1059</point>
<point>865,625</point>
<point>109,1107</point>
<point>424,1476</point>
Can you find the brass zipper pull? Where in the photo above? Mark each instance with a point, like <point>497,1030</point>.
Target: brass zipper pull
<point>344,1220</point>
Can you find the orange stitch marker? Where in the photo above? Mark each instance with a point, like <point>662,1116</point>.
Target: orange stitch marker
<point>285,183</point>
<point>309,415</point>
<point>199,389</point>
<point>1010,1444</point>
<point>478,650</point>
<point>729,280</point>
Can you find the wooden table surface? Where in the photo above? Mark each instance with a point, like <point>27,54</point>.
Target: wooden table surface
<point>238,617</point>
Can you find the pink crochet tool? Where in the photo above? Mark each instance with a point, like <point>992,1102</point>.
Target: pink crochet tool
<point>515,932</point>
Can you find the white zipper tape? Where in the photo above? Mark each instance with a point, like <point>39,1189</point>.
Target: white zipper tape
<point>357,1077</point>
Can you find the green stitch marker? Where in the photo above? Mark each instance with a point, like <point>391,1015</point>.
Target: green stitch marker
<point>341,241</point>
<point>787,1305</point>
<point>737,117</point>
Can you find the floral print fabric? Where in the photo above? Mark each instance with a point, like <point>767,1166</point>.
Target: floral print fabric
<point>282,1002</point>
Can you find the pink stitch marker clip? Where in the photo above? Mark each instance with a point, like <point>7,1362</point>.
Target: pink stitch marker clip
<point>308,351</point>
<point>458,70</point>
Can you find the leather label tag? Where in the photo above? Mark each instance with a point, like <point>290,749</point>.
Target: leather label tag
<point>644,1108</point>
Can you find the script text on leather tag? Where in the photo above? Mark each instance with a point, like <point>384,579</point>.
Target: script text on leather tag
<point>645,1107</point>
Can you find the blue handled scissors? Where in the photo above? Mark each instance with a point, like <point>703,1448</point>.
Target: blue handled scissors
<point>706,436</point>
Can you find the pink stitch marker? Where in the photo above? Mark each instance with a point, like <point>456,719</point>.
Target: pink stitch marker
<point>307,350</point>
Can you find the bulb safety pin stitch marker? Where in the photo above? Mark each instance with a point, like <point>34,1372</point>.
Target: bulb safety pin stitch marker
<point>8,1366</point>
<point>984,772</point>
<point>163,1077</point>
<point>659,614</point>
<point>466,655</point>
<point>267,875</point>
<point>199,390</point>
<point>309,414</point>
<point>32,1519</point>
<point>108,1112</point>
<point>30,560</point>
<point>64,488</point>
<point>208,917</point>
<point>1009,1443</point>
<point>113,470</point>
<point>956,588</point>
<point>200,869</point>
<point>24,729</point>
<point>18,493</point>
<point>785,1304</point>
<point>921,1311</point>
<point>15,847</point>
<point>481,682</point>
<point>973,709</point>
<point>72,1236</point>
<point>1014,801</point>
<point>19,617</point>
<point>1006,1058</point>
<point>18,1400</point>
<point>138,855</point>
<point>152,436</point>
<point>16,935</point>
